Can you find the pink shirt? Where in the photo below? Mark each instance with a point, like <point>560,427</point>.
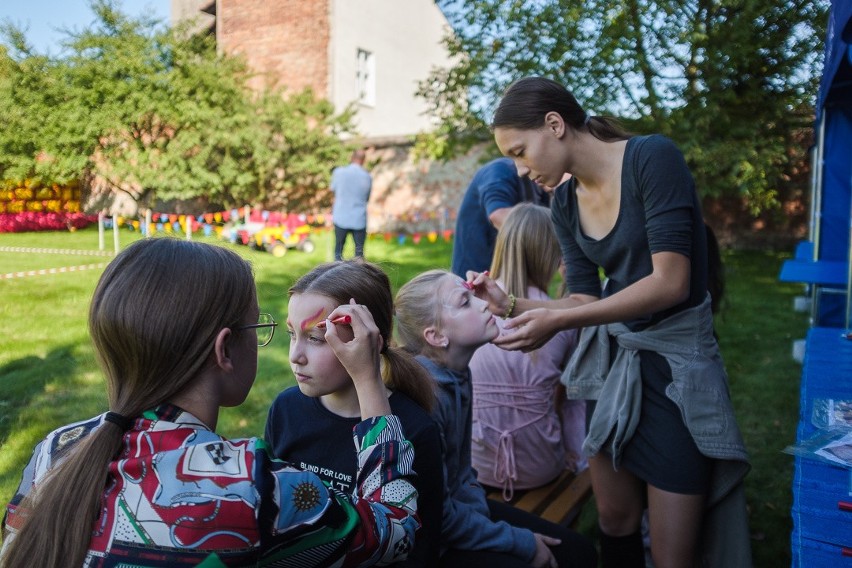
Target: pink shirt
<point>524,434</point>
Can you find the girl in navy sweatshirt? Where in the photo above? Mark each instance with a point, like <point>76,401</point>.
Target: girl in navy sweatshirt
<point>444,323</point>
<point>311,424</point>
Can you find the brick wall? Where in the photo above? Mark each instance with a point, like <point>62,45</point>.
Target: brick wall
<point>288,39</point>
<point>412,196</point>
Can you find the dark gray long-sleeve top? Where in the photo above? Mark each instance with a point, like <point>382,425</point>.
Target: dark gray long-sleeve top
<point>659,212</point>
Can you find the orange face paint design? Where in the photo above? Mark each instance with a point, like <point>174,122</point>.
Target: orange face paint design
<point>313,320</point>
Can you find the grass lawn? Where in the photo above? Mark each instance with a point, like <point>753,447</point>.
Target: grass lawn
<point>48,375</point>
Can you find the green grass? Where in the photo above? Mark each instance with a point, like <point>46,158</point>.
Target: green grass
<point>756,332</point>
<point>48,376</point>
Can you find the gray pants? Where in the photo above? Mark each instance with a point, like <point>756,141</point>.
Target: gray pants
<point>340,234</point>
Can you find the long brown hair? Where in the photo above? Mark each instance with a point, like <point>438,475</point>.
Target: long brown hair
<point>370,286</point>
<point>526,102</point>
<point>526,251</point>
<point>153,320</point>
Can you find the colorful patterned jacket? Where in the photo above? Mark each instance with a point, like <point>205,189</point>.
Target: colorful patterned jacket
<point>179,494</point>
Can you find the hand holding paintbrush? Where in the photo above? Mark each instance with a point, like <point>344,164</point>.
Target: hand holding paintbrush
<point>339,320</point>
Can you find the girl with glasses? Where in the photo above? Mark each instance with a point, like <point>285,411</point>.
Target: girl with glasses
<point>310,423</point>
<point>176,328</point>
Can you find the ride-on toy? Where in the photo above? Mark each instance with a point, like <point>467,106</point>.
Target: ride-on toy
<point>276,235</point>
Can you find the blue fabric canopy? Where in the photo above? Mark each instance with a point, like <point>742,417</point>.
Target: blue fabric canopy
<point>825,267</point>
<point>837,70</point>
<point>834,104</point>
<point>834,125</point>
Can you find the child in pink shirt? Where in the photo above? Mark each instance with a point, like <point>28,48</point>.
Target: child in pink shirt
<point>525,432</point>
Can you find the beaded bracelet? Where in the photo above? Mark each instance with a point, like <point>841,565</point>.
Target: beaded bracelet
<point>511,306</point>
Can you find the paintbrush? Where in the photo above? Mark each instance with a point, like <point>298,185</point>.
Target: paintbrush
<point>469,285</point>
<point>339,320</point>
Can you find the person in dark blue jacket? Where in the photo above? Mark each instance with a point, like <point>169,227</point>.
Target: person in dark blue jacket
<point>494,190</point>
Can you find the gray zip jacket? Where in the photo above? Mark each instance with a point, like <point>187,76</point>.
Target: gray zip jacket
<point>699,389</point>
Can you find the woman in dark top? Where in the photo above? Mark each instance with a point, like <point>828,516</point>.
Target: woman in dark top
<point>661,420</point>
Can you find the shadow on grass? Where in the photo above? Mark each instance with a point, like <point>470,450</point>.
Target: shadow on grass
<point>26,379</point>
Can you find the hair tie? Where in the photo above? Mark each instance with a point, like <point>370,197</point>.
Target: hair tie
<point>587,120</point>
<point>122,422</point>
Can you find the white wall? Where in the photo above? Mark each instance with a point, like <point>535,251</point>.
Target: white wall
<point>191,10</point>
<point>405,39</point>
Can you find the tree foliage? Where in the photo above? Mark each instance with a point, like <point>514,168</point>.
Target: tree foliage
<point>729,80</point>
<point>159,115</point>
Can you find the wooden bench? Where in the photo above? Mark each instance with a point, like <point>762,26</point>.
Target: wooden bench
<point>560,501</point>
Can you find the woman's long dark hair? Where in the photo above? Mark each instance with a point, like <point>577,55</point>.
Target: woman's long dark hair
<point>526,102</point>
<point>715,270</point>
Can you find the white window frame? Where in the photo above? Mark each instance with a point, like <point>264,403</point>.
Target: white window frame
<point>365,77</point>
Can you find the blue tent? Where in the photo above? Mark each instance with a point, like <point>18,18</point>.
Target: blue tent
<point>821,535</point>
<point>823,262</point>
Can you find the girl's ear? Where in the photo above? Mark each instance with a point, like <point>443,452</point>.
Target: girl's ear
<point>553,122</point>
<point>220,350</point>
<point>435,338</point>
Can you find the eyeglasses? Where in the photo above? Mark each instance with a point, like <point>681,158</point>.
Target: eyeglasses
<point>265,327</point>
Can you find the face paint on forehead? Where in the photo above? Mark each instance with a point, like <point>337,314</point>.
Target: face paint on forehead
<point>312,320</point>
<point>452,293</point>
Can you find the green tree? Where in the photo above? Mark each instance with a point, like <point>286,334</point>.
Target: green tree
<point>730,80</point>
<point>298,140</point>
<point>160,115</point>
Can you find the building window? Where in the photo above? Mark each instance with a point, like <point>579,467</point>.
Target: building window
<point>365,77</point>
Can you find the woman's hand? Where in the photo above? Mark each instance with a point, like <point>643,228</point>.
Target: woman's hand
<point>485,288</point>
<point>543,556</point>
<point>529,331</point>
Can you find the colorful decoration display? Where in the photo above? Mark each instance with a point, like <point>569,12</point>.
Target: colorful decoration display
<point>215,223</point>
<point>32,221</point>
<point>30,206</point>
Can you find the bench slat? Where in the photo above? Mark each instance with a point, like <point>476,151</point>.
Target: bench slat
<point>567,504</point>
<point>560,501</point>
